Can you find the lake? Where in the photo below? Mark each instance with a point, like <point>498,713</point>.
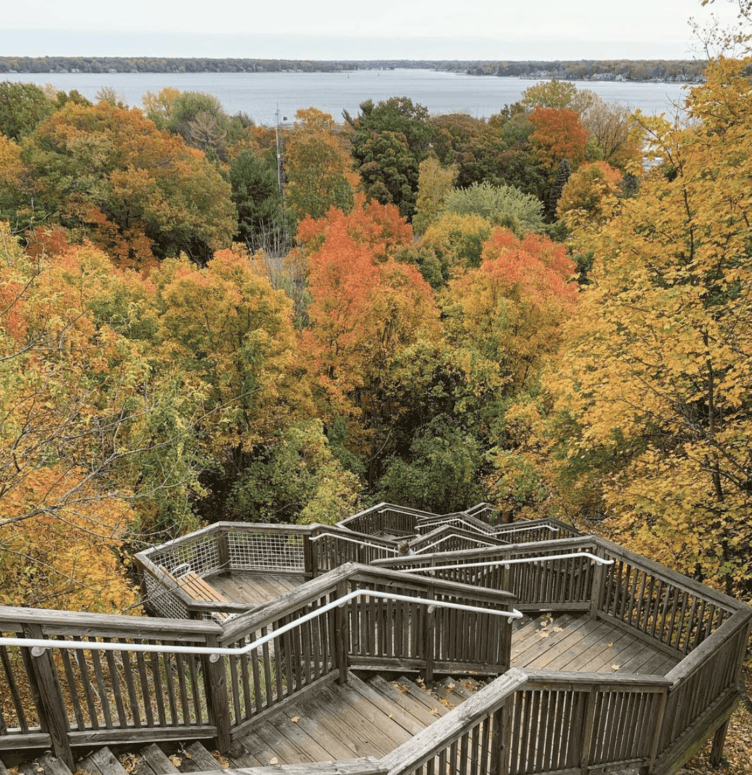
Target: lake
<point>259,94</point>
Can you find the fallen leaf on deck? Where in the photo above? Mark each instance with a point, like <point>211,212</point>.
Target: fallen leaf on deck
<point>295,719</point>
<point>435,711</point>
<point>615,667</point>
<point>275,760</point>
<point>558,629</point>
<point>401,688</point>
<point>176,760</point>
<point>543,634</point>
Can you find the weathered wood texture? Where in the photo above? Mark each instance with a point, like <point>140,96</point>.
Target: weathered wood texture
<point>385,518</point>
<point>649,619</point>
<point>558,584</point>
<point>447,538</point>
<point>358,719</point>
<point>256,588</point>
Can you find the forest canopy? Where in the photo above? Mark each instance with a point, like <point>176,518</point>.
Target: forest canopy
<point>204,319</point>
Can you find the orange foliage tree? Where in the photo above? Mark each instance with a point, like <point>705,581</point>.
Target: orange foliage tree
<point>511,309</point>
<point>140,194</point>
<point>558,135</point>
<point>365,309</point>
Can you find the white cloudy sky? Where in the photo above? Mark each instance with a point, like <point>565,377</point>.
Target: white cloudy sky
<point>330,29</point>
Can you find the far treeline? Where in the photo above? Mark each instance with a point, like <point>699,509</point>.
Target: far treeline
<point>623,69</point>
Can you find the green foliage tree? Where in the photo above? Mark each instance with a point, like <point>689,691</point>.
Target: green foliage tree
<point>22,107</point>
<point>499,205</point>
<point>441,473</point>
<point>434,184</point>
<point>296,478</point>
<point>390,139</point>
<point>262,222</point>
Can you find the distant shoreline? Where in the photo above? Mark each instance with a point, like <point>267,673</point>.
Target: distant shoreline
<point>657,71</point>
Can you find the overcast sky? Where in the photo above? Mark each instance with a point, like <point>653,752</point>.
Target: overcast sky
<point>353,29</point>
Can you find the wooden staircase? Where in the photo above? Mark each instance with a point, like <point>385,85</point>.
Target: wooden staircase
<point>362,720</point>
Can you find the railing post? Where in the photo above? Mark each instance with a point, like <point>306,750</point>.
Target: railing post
<point>658,729</point>
<point>223,546</point>
<point>596,592</point>
<point>217,698</point>
<point>502,741</point>
<point>52,706</point>
<point>341,635</point>
<point>588,723</point>
<point>429,641</point>
<point>719,738</point>
<point>309,555</point>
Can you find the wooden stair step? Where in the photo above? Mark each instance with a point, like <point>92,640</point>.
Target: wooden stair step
<point>403,700</point>
<point>401,716</point>
<point>154,762</point>
<point>448,693</point>
<point>101,762</point>
<point>434,707</point>
<point>47,764</point>
<point>195,758</point>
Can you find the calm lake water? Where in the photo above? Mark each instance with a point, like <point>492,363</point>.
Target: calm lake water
<point>259,94</point>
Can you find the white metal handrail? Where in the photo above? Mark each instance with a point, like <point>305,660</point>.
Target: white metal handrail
<point>488,531</point>
<point>505,563</point>
<point>39,645</point>
<point>447,538</point>
<point>353,541</point>
<point>451,520</point>
<point>520,528</point>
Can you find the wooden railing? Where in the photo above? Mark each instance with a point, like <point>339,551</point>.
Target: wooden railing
<point>525,723</point>
<point>514,532</point>
<point>555,722</point>
<point>70,697</point>
<point>448,538</point>
<point>333,546</point>
<point>65,696</point>
<point>705,630</point>
<point>564,584</point>
<point>669,609</point>
<point>385,518</point>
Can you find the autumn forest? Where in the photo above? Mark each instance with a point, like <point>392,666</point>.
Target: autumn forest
<point>204,319</point>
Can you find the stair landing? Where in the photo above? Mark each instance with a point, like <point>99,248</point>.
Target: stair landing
<point>255,588</point>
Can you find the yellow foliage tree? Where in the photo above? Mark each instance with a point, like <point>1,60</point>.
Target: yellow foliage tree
<point>653,394</point>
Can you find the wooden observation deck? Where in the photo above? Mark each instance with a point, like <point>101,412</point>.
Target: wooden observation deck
<point>518,649</point>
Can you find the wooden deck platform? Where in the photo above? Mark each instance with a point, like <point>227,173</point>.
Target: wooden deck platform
<point>568,642</point>
<point>255,588</point>
<point>575,642</point>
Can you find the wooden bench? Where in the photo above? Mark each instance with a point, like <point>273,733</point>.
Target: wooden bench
<point>199,589</point>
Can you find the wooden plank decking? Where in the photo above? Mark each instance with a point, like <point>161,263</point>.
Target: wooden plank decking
<point>568,642</point>
<point>359,719</point>
<point>575,642</point>
<point>255,588</point>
